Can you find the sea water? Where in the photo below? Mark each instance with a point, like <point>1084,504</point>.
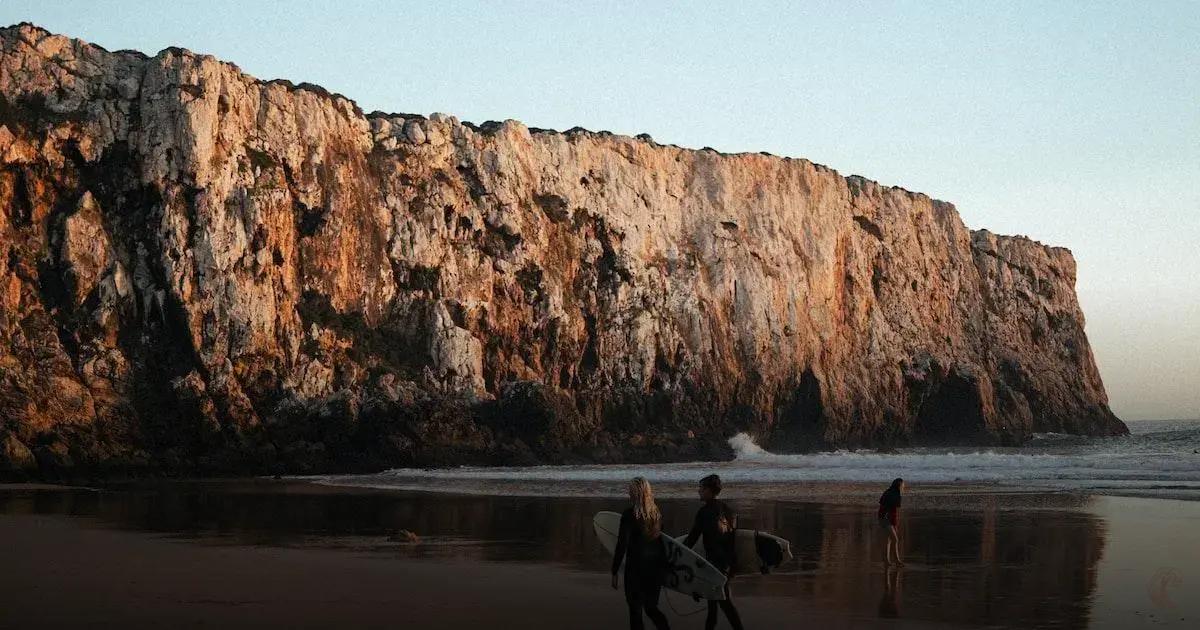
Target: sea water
<point>1159,458</point>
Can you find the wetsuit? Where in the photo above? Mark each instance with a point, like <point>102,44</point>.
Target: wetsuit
<point>644,561</point>
<point>716,522</point>
<point>889,507</point>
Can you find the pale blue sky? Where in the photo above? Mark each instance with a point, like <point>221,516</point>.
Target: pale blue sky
<point>1078,125</point>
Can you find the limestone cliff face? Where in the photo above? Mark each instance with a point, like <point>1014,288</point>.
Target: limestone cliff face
<point>201,269</point>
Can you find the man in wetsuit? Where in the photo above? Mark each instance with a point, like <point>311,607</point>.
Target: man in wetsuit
<point>716,522</point>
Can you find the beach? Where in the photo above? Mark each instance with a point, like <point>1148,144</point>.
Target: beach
<point>287,553</point>
<point>301,326</point>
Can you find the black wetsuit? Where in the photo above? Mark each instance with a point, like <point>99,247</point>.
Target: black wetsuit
<point>889,506</point>
<point>644,562</point>
<point>716,522</point>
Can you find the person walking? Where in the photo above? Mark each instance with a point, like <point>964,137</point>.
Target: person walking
<point>640,548</point>
<point>716,524</point>
<point>889,521</point>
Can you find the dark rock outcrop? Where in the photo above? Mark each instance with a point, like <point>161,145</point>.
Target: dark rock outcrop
<point>200,270</point>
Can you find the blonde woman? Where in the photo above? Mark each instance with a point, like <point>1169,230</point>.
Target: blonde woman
<point>640,546</point>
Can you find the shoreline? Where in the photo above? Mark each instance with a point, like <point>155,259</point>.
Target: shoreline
<point>1149,462</point>
<point>822,490</point>
<point>858,488</point>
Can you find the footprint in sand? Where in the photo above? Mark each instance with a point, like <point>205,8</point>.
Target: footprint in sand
<point>1160,585</point>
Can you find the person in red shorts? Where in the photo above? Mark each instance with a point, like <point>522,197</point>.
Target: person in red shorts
<point>889,510</point>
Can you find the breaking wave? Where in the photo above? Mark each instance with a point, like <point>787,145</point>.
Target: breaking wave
<point>1159,459</point>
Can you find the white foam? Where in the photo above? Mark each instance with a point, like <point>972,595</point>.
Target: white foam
<point>1163,460</point>
<point>744,447</point>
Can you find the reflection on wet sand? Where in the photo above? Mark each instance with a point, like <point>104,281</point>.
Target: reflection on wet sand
<point>1011,561</point>
<point>1022,566</point>
<point>889,604</point>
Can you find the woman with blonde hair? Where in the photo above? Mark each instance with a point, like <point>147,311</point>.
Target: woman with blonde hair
<point>640,546</point>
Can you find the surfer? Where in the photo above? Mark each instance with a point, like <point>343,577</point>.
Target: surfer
<point>640,546</point>
<point>716,522</point>
<point>889,508</point>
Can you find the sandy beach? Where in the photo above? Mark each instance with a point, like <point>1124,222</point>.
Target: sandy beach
<point>287,554</point>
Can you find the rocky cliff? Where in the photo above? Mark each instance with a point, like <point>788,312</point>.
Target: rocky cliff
<point>202,270</point>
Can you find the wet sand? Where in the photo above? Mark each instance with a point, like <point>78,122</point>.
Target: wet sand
<point>60,575</point>
<point>285,554</point>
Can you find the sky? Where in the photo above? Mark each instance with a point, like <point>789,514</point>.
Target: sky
<point>1076,124</point>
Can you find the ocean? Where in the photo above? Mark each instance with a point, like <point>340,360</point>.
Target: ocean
<point>1160,458</point>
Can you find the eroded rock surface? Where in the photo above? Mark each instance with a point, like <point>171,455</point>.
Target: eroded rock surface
<point>202,270</point>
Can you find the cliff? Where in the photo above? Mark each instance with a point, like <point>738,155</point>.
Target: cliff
<point>202,270</point>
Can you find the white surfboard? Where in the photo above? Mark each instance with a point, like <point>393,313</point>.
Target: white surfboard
<point>686,572</point>
<point>746,543</point>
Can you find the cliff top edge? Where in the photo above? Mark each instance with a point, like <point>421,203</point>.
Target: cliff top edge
<point>33,34</point>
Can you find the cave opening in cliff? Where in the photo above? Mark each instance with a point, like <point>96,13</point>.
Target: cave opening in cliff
<point>951,412</point>
<point>800,425</point>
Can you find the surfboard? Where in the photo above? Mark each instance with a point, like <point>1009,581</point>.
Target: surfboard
<point>686,572</point>
<point>746,542</point>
